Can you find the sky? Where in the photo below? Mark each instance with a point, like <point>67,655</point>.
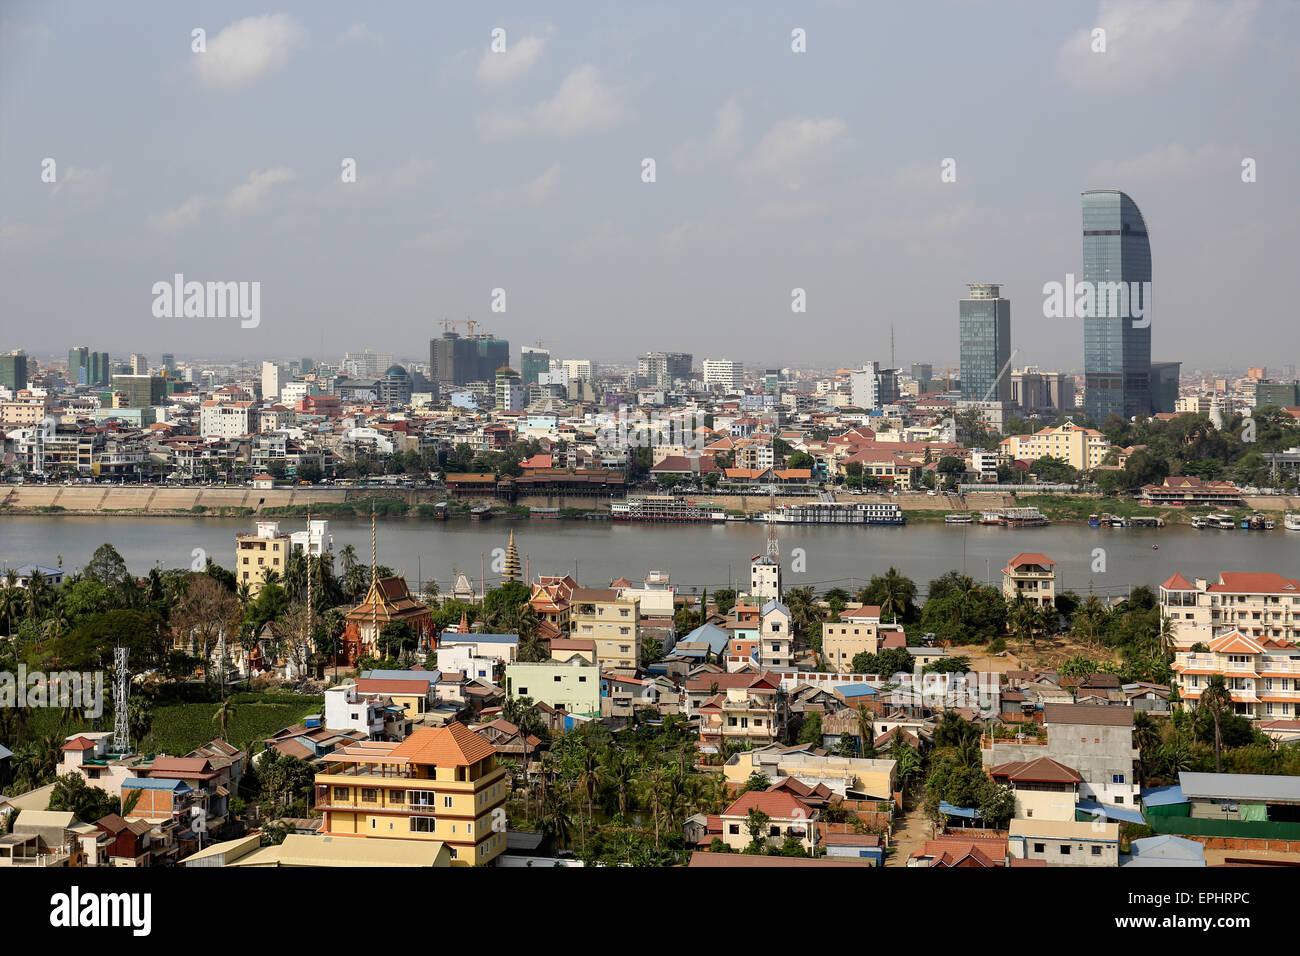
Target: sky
<point>524,171</point>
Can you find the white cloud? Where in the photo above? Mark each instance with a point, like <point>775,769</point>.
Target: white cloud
<point>1152,40</point>
<point>540,188</point>
<point>85,186</point>
<point>181,217</point>
<point>792,146</point>
<point>723,143</point>
<point>582,104</point>
<point>248,196</point>
<point>248,49</point>
<point>502,69</point>
<point>1169,162</point>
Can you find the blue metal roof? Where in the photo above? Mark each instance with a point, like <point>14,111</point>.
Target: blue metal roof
<point>715,636</point>
<point>947,809</point>
<point>1163,796</point>
<point>856,690</point>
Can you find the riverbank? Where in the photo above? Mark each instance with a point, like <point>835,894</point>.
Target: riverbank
<point>433,504</point>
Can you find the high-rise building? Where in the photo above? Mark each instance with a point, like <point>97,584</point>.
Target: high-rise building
<point>532,363</point>
<point>1164,386</point>
<point>454,360</point>
<point>395,386</point>
<point>168,364</point>
<point>985,332</point>
<point>140,391</point>
<point>13,370</point>
<point>492,353</point>
<point>510,390</point>
<point>724,374</point>
<point>366,364</point>
<point>579,369</point>
<point>139,364</point>
<point>270,380</point>
<point>1116,345</point>
<point>88,368</point>
<point>662,369</point>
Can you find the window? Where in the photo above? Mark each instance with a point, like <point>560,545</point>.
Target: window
<point>1040,847</point>
<point>369,794</point>
<point>1116,778</point>
<point>423,824</point>
<point>774,831</point>
<point>733,828</point>
<point>341,793</point>
<point>421,798</point>
<point>453,852</point>
<point>1096,851</point>
<point>446,803</point>
<point>1065,850</point>
<point>557,678</point>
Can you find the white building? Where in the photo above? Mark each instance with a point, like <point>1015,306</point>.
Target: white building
<point>584,369</point>
<point>765,578</point>
<point>226,419</point>
<point>270,380</point>
<point>724,374</point>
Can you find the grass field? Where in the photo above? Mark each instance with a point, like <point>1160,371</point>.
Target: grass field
<point>180,727</point>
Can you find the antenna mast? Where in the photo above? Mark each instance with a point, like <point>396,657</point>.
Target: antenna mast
<point>121,691</point>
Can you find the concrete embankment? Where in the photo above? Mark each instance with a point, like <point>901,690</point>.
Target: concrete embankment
<point>152,500</point>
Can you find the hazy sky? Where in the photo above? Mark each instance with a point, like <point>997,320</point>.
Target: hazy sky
<point>523,171</point>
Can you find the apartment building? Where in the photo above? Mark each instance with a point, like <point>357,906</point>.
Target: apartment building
<point>1259,605</point>
<point>747,708</point>
<point>1045,789</point>
<point>724,374</point>
<point>440,784</point>
<point>266,549</point>
<point>227,419</point>
<point>1096,740</point>
<point>1032,576</point>
<point>600,615</point>
<point>1083,448</point>
<point>856,632</point>
<point>775,636</point>
<point>1262,675</point>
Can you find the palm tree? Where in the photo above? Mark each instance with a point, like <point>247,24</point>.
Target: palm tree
<point>224,714</point>
<point>12,600</point>
<point>1165,636</point>
<point>1147,738</point>
<point>1216,698</point>
<point>349,557</point>
<point>619,774</point>
<point>908,765</point>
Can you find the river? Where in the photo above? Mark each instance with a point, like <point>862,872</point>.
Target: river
<point>696,556</point>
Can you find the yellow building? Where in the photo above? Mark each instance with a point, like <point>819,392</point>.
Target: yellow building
<point>600,615</point>
<point>1032,576</point>
<point>256,554</point>
<point>1083,448</point>
<point>856,632</point>
<point>437,785</point>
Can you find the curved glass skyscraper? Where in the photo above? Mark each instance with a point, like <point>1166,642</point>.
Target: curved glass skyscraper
<point>1117,331</point>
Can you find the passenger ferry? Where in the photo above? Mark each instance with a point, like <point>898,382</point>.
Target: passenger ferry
<point>665,508</point>
<point>957,519</point>
<point>834,512</point>
<point>1292,521</point>
<point>1015,518</point>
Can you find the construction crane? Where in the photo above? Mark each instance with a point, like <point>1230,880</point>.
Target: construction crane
<point>450,325</point>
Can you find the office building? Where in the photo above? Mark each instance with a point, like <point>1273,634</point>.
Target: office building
<point>533,362</point>
<point>1164,386</point>
<point>13,370</point>
<point>1116,344</point>
<point>579,369</point>
<point>139,391</point>
<point>139,364</point>
<point>662,369</point>
<point>985,333</point>
<point>872,387</point>
<point>270,380</point>
<point>724,374</point>
<point>87,368</point>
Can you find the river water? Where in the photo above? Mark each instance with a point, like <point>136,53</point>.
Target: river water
<point>696,556</point>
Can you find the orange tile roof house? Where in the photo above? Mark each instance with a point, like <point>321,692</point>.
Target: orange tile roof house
<point>788,817</point>
<point>439,784</point>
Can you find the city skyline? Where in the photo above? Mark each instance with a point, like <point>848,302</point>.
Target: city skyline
<point>773,174</point>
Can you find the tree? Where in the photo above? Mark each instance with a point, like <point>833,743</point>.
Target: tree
<point>106,566</point>
<point>894,592</point>
<point>756,822</point>
<point>225,713</point>
<point>1215,699</point>
<point>71,794</point>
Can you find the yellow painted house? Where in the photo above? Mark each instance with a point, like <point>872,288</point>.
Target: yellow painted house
<point>438,784</point>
